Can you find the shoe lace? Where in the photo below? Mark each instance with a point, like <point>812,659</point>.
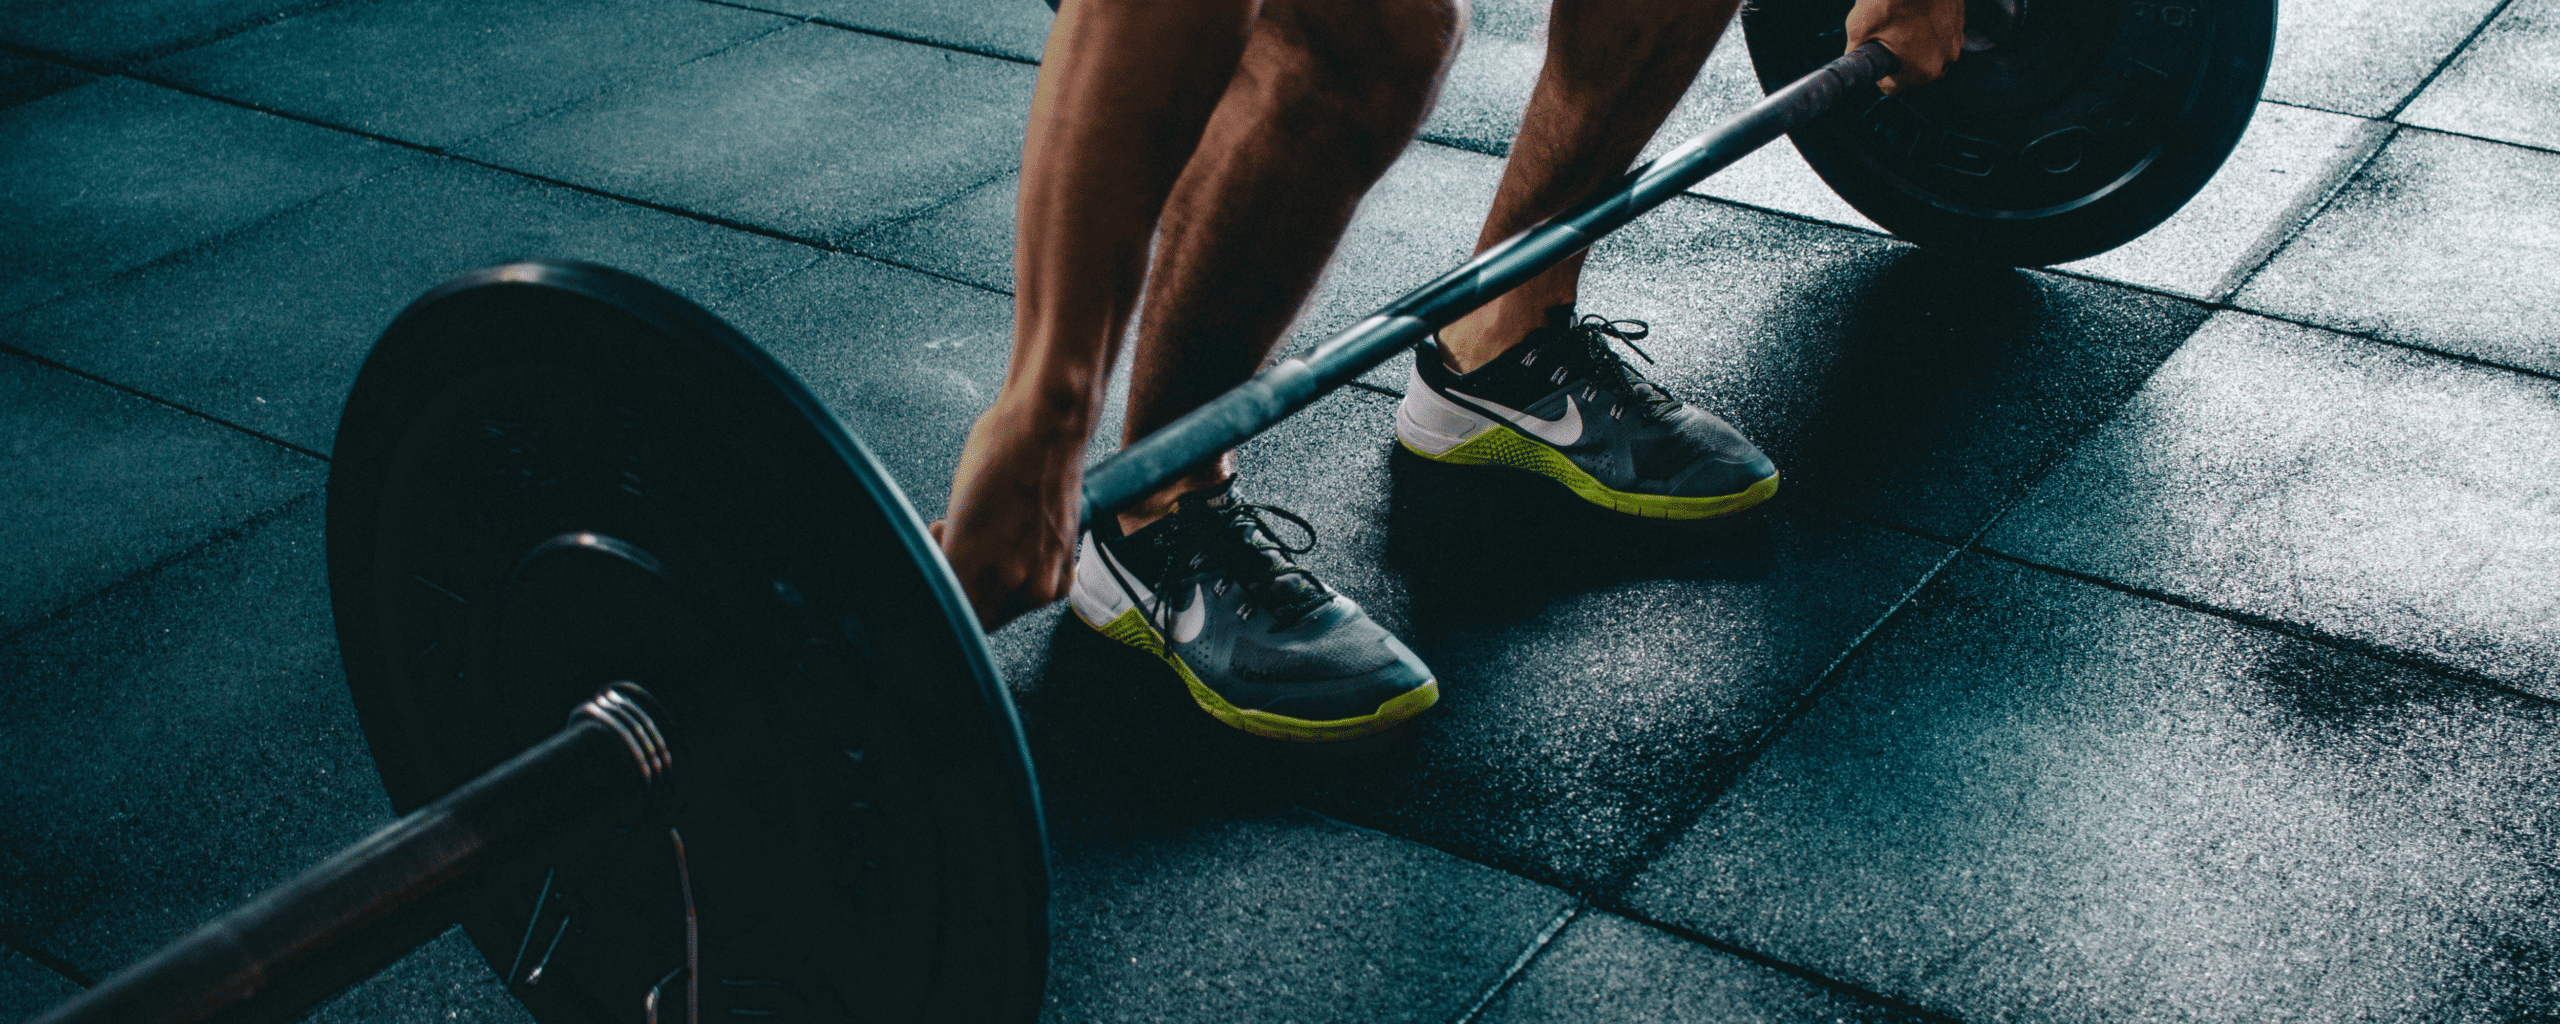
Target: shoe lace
<point>1256,559</point>
<point>1610,371</point>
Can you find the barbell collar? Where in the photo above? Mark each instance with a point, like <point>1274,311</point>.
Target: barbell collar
<point>295,945</point>
<point>1296,382</point>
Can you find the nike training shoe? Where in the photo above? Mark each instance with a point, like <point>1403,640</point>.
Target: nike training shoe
<point>1563,404</point>
<point>1262,645</point>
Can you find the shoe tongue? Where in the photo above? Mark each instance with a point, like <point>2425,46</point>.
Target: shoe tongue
<point>1269,575</point>
<point>1216,498</point>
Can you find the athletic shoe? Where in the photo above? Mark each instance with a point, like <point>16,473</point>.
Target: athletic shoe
<point>1563,404</point>
<point>1261,644</point>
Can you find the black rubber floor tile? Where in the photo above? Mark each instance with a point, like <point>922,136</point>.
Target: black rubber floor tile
<point>1601,680</point>
<point>1419,222</point>
<point>23,80</point>
<point>1885,382</point>
<point>28,987</point>
<point>444,980</point>
<point>2501,87</point>
<point>2364,57</point>
<point>969,238</point>
<point>2288,161</point>
<point>1279,915</point>
<point>116,173</point>
<point>2368,492</point>
<point>2442,242</point>
<point>1004,28</point>
<point>439,72</point>
<point>1488,86</point>
<point>2031,798</point>
<point>1604,967</point>
<point>100,484</point>
<point>119,33</point>
<point>907,360</point>
<point>1488,89</point>
<point>1772,178</point>
<point>177,745</point>
<point>267,328</point>
<point>812,131</point>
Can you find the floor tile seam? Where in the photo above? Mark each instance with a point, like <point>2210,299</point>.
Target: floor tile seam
<point>1584,902</point>
<point>2483,139</point>
<point>902,37</point>
<point>2412,346</point>
<point>698,216</point>
<point>2312,212</point>
<point>604,89</point>
<point>890,34</point>
<point>175,47</point>
<point>1463,144</point>
<point>1828,679</point>
<point>2316,108</point>
<point>446,153</point>
<point>1520,964</point>
<point>2450,57</point>
<point>1813,220</point>
<point>2291,224</point>
<point>1838,986</point>
<point>896,264</point>
<point>2227,306</point>
<point>944,203</point>
<point>7,349</point>
<point>157,81</point>
<point>10,939</point>
<point>1613,891</point>
<point>246,525</point>
<point>202,245</point>
<point>2412,660</point>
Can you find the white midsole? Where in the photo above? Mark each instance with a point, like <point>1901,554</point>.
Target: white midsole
<point>1096,596</point>
<point>1431,424</point>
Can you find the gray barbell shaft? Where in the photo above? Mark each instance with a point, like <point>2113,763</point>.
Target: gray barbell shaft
<point>1256,405</point>
<point>349,916</point>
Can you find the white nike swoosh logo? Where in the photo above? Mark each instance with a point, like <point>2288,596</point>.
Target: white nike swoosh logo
<point>1188,622</point>
<point>1562,432</point>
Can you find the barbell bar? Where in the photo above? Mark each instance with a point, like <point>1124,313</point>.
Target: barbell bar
<point>889,698</point>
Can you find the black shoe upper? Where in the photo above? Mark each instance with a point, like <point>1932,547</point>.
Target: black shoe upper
<point>1638,436</point>
<point>1217,533</point>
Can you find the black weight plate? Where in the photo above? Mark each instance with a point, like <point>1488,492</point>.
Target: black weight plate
<point>550,476</point>
<point>2088,124</point>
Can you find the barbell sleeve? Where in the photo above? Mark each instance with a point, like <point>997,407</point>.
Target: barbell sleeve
<point>349,916</point>
<point>1296,382</point>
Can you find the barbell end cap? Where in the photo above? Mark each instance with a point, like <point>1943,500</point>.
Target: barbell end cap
<point>633,714</point>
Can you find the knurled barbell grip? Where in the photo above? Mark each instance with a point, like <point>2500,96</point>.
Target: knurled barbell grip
<point>337,923</point>
<point>1258,404</point>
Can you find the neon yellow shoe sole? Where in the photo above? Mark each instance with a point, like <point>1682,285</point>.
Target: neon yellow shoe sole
<point>1133,629</point>
<point>1502,446</point>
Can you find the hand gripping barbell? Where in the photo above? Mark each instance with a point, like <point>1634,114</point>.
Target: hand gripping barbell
<point>791,782</point>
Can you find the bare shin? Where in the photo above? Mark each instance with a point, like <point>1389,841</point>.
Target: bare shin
<point>1613,73</point>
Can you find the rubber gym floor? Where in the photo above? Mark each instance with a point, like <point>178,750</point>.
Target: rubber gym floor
<point>2167,636</point>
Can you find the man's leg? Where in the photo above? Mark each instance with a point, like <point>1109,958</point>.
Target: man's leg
<point>1517,384</point>
<point>1328,95</point>
<point>1126,87</point>
<point>1614,71</point>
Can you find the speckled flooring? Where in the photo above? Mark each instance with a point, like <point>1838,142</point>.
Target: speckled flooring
<point>2171,635</point>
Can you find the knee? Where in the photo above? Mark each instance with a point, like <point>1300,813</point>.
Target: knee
<point>1363,72</point>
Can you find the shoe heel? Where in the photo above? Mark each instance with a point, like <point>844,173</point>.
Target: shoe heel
<point>1430,426</point>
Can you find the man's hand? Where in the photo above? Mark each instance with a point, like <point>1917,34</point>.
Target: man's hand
<point>1925,35</point>
<point>1015,502</point>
